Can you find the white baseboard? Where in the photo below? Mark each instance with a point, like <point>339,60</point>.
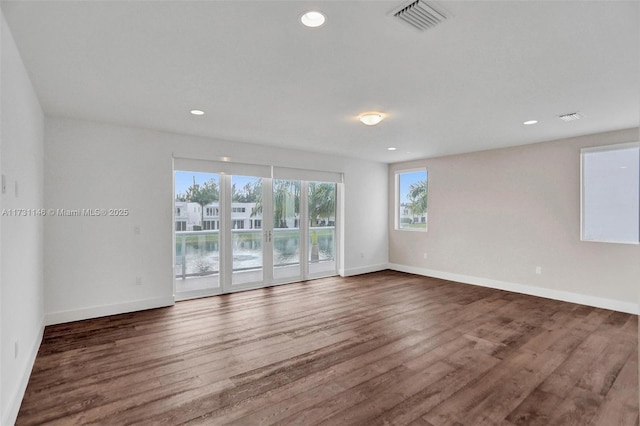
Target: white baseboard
<point>565,296</point>
<point>15,400</point>
<point>104,310</point>
<point>363,270</point>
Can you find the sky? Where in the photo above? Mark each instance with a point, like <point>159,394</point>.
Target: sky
<point>184,180</point>
<point>406,180</point>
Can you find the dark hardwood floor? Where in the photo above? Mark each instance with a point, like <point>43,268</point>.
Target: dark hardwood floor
<point>376,349</point>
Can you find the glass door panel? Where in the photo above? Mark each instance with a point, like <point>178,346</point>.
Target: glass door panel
<point>322,228</point>
<point>286,229</point>
<point>197,242</point>
<point>246,230</point>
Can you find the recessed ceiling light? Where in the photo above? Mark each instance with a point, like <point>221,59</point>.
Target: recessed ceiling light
<point>196,112</point>
<point>391,148</point>
<point>530,122</point>
<point>312,19</point>
<point>370,118</point>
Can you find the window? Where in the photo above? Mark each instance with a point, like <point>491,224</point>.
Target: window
<point>181,225</point>
<point>211,211</point>
<point>238,224</point>
<point>210,225</point>
<point>411,200</point>
<point>322,232</point>
<point>610,197</point>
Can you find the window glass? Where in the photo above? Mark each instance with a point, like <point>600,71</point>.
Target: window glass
<point>611,193</point>
<point>322,228</point>
<point>411,200</point>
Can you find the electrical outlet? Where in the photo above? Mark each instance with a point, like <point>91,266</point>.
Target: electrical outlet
<point>138,280</point>
<point>362,255</point>
<point>15,349</point>
<point>136,229</point>
<point>424,255</point>
<point>539,270</point>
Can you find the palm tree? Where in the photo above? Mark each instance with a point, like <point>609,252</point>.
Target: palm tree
<point>203,195</point>
<point>286,201</point>
<point>322,202</point>
<point>418,198</point>
<point>284,193</point>
<point>249,193</point>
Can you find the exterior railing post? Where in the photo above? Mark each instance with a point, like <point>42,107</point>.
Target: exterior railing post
<point>184,256</point>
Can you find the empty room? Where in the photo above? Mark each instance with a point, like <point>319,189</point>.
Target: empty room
<point>320,212</point>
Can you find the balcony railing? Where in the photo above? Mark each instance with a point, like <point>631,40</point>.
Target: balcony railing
<point>198,252</point>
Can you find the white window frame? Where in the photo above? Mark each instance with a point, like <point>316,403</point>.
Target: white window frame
<point>397,202</point>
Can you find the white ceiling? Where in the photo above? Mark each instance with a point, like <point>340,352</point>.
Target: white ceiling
<point>262,77</point>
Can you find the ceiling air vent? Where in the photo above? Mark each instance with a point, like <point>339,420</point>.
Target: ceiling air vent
<point>420,15</point>
<point>570,117</point>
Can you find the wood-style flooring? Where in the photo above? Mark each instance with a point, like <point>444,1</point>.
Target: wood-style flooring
<point>376,349</point>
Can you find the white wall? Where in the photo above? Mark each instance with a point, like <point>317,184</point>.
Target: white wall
<point>365,215</point>
<point>2,48</point>
<point>91,263</point>
<point>21,255</point>
<point>494,216</point>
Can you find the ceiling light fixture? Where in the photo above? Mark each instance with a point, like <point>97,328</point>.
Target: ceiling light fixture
<point>196,112</point>
<point>530,122</point>
<point>313,19</point>
<point>370,118</point>
<point>391,148</point>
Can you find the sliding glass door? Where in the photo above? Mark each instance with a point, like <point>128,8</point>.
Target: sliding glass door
<point>294,200</point>
<point>197,232</point>
<point>322,228</point>
<point>247,249</point>
<point>238,227</point>
<point>286,229</point>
